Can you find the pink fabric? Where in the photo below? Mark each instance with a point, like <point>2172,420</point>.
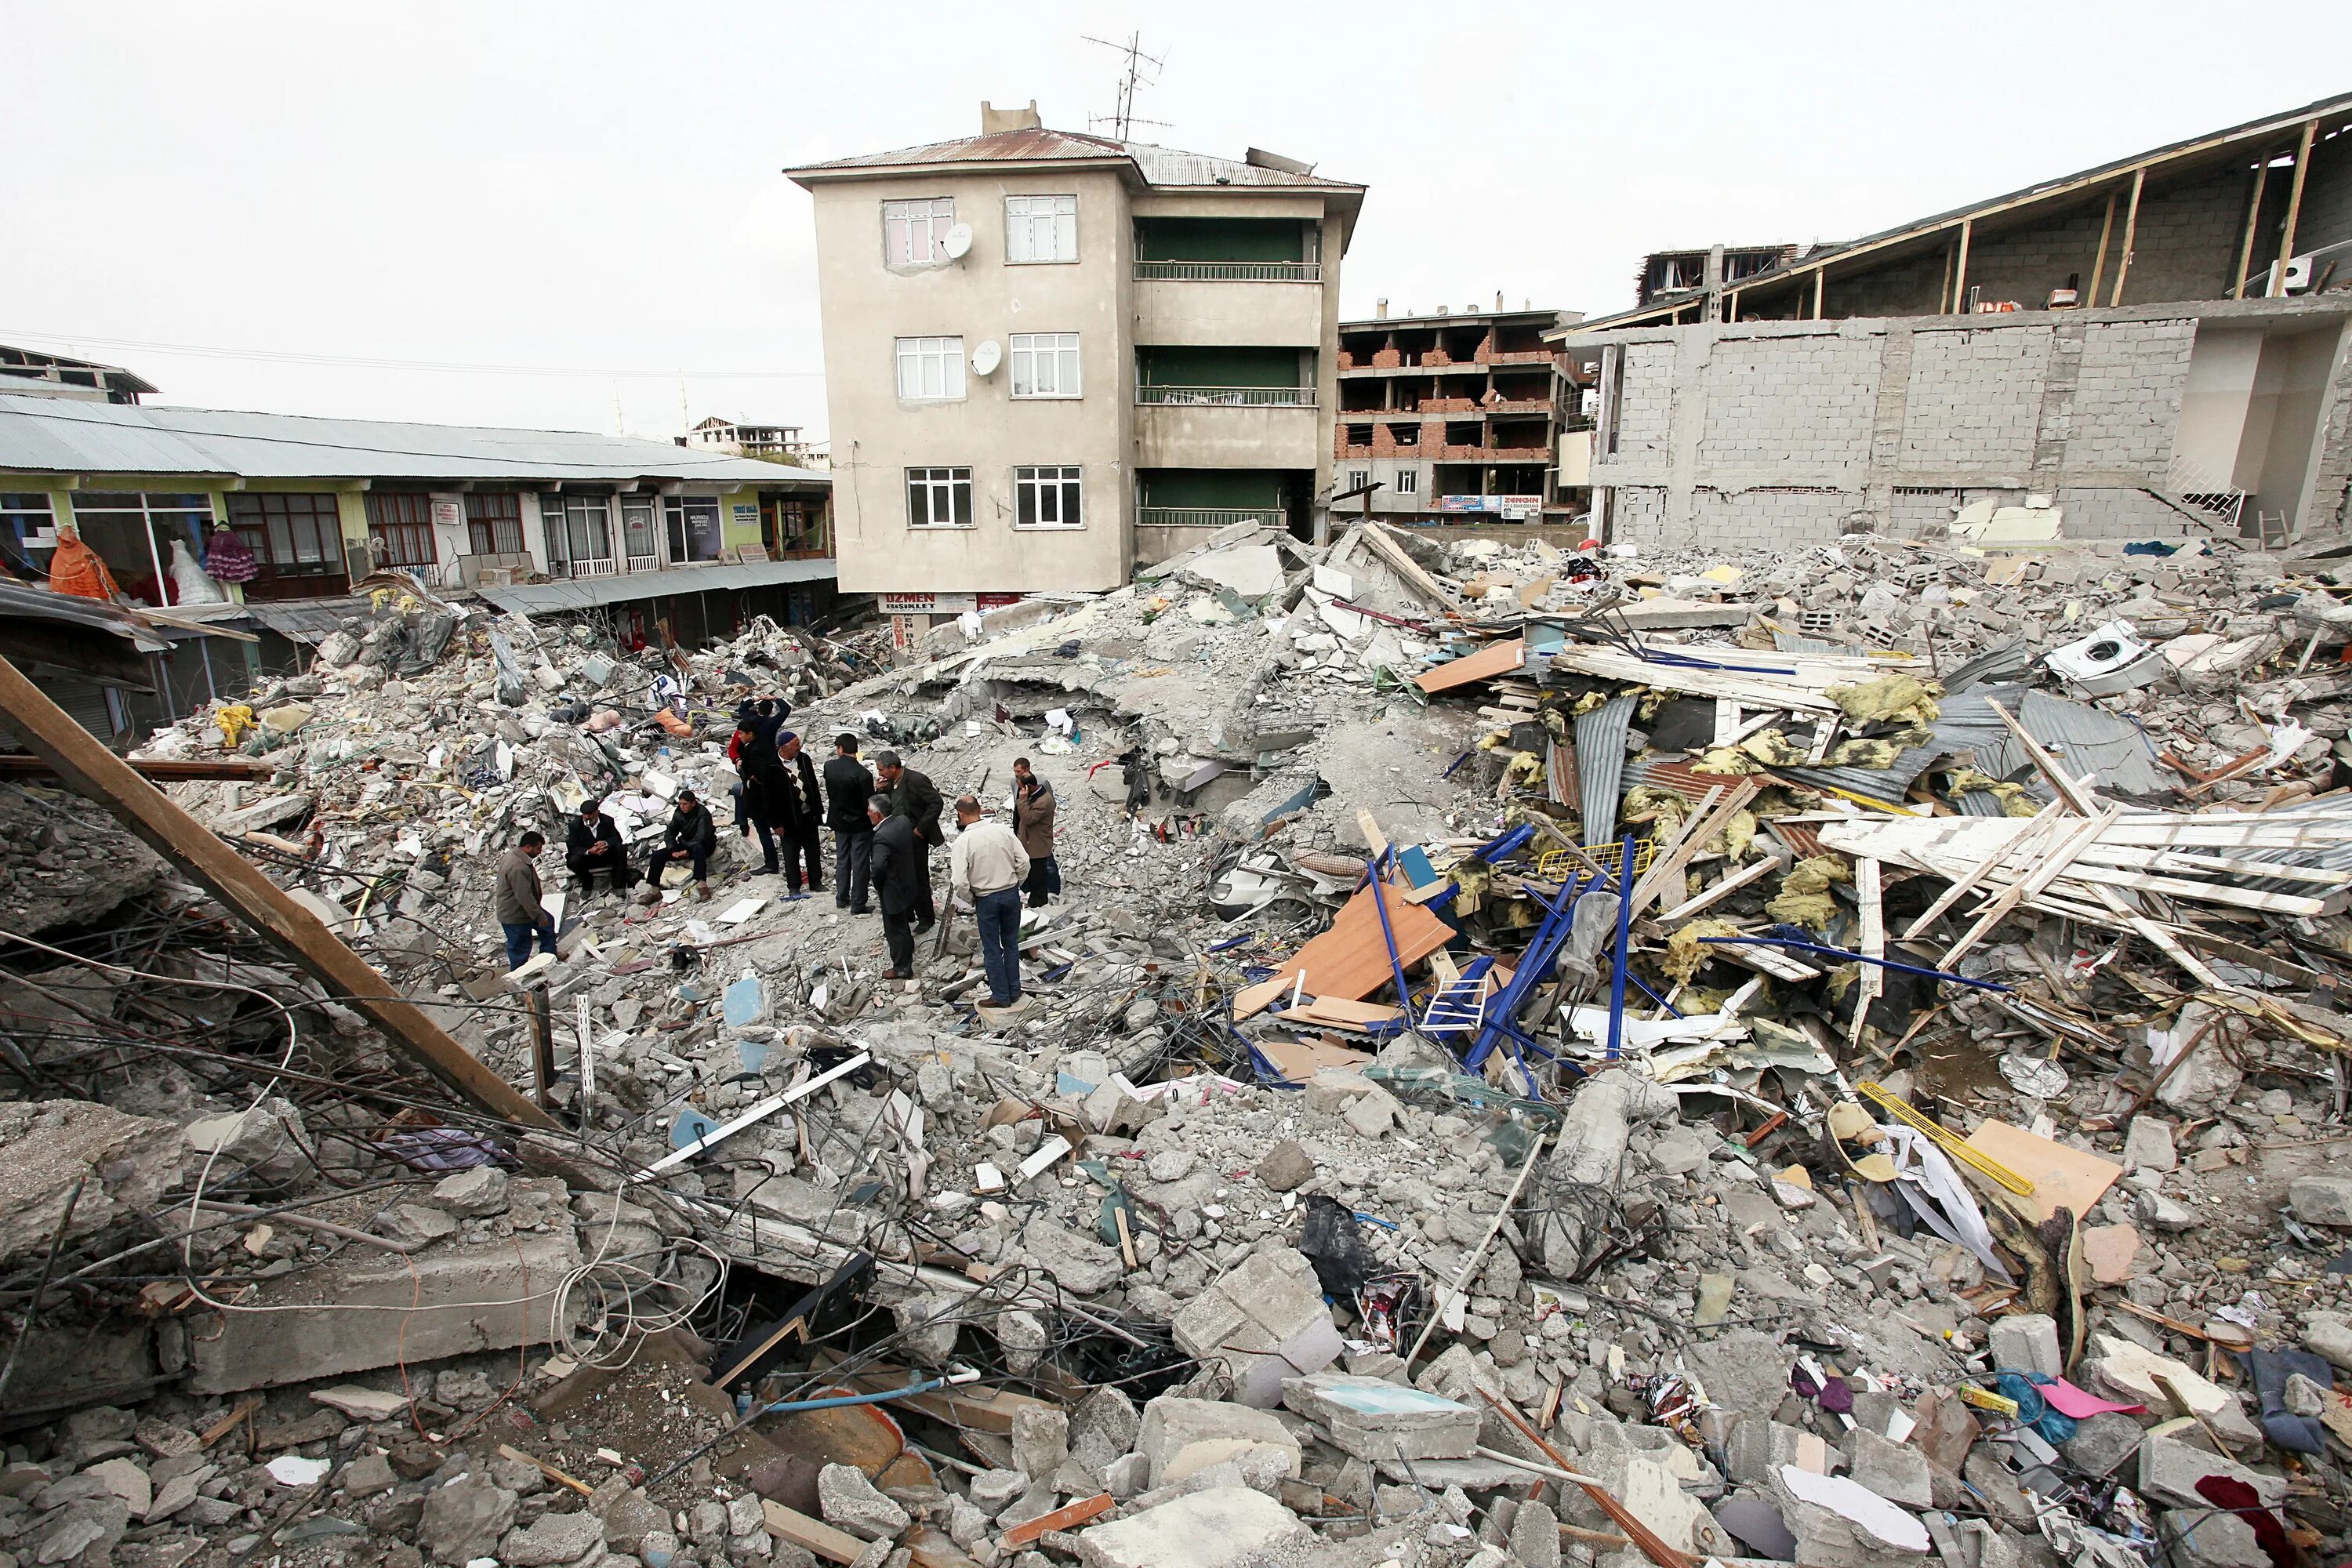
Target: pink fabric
<point>2068,1400</point>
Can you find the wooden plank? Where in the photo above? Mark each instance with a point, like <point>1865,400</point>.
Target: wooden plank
<point>2043,823</point>
<point>1402,564</point>
<point>1997,910</point>
<point>1067,1518</point>
<point>1494,658</point>
<point>810,1534</point>
<point>1339,1010</point>
<point>1868,984</point>
<point>1351,961</point>
<point>163,770</point>
<point>1298,1060</point>
<point>1723,888</point>
<point>2293,210</point>
<point>990,1410</point>
<point>89,768</point>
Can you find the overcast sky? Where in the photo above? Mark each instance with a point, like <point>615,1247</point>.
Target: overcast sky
<point>593,187</point>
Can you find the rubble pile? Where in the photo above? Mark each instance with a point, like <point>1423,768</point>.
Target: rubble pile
<point>1542,1058</point>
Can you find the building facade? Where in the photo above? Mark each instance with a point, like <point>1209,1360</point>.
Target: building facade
<point>647,534</point>
<point>1456,418</point>
<point>741,438</point>
<point>1049,357</point>
<point>2156,346</point>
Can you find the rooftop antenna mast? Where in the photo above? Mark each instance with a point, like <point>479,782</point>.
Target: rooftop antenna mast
<point>1133,77</point>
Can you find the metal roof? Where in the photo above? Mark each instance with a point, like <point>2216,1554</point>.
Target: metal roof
<point>586,592</point>
<point>1601,765</point>
<point>1155,165</point>
<point>51,434</point>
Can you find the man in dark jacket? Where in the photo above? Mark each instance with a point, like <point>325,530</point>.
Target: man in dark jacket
<point>847,787</point>
<point>690,836</point>
<point>516,901</point>
<point>594,845</point>
<point>756,723</point>
<point>1033,807</point>
<point>796,808</point>
<point>900,882</point>
<point>914,796</point>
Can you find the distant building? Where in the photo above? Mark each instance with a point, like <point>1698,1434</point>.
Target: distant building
<point>1457,417</point>
<point>28,373</point>
<point>1049,356</point>
<point>2154,346</point>
<point>1695,281</point>
<point>741,438</point>
<point>652,536</point>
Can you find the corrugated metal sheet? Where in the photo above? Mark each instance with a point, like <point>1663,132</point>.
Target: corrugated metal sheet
<point>2085,739</point>
<point>586,592</point>
<point>308,620</point>
<point>1965,725</point>
<point>1156,165</point>
<point>1601,765</point>
<point>55,434</point>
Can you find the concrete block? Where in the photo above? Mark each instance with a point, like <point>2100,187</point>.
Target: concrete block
<point>2171,1467</point>
<point>1180,1436</point>
<point>1372,1420</point>
<point>463,1300</point>
<point>1226,1527</point>
<point>2321,1200</point>
<point>1272,1306</point>
<point>124,1163</point>
<point>2028,1342</point>
<point>1895,1471</point>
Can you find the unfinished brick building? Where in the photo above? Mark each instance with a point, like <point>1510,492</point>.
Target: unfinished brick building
<point>2156,345</point>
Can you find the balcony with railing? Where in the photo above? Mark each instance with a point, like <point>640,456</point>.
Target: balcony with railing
<point>1228,271</point>
<point>1227,396</point>
<point>1204,516</point>
<point>1228,250</point>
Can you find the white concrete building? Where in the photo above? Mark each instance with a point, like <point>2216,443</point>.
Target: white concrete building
<point>1051,356</point>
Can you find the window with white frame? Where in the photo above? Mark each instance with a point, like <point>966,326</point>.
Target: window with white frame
<point>939,497</point>
<point>915,233</point>
<point>1359,478</point>
<point>1407,481</point>
<point>1041,229</point>
<point>931,370</point>
<point>1045,364</point>
<point>1048,497</point>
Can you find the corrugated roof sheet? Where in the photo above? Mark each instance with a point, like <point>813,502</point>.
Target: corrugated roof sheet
<point>586,592</point>
<point>1156,165</point>
<point>2087,740</point>
<point>1601,765</point>
<point>52,435</point>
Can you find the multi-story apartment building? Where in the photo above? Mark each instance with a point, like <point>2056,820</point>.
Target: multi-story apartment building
<point>743,439</point>
<point>1051,356</point>
<point>1454,416</point>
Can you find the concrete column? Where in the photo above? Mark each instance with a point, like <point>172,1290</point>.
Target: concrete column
<point>1888,416</point>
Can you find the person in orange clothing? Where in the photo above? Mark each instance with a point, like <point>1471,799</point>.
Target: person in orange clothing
<point>79,570</point>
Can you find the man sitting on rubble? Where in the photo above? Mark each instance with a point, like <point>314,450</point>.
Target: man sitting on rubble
<point>516,898</point>
<point>797,810</point>
<point>689,836</point>
<point>847,787</point>
<point>915,797</point>
<point>986,867</point>
<point>1033,806</point>
<point>594,845</point>
<point>898,882</point>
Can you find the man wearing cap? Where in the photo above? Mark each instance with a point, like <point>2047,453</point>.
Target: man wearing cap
<point>796,808</point>
<point>847,787</point>
<point>594,845</point>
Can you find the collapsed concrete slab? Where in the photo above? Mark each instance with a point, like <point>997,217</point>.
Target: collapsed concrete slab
<point>1375,1420</point>
<point>57,1154</point>
<point>366,1309</point>
<point>1180,1436</point>
<point>1225,1527</point>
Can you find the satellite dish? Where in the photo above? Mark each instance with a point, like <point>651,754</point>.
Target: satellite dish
<point>957,244</point>
<point>986,358</point>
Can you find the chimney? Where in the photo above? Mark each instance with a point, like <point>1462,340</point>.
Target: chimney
<point>993,119</point>
<point>1498,301</point>
<point>1381,309</point>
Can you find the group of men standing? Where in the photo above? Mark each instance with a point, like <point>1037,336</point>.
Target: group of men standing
<point>885,824</point>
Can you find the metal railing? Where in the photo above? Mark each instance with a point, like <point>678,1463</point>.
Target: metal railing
<point>601,566</point>
<point>1229,271</point>
<point>644,563</point>
<point>1227,396</point>
<point>1203,516</point>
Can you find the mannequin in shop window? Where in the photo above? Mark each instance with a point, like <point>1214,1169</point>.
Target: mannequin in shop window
<point>77,570</point>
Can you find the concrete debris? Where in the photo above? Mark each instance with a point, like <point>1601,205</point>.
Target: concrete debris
<point>1870,1086</point>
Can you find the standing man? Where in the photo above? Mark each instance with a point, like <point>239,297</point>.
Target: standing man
<point>1033,806</point>
<point>898,882</point>
<point>756,722</point>
<point>594,845</point>
<point>847,787</point>
<point>690,836</point>
<point>516,898</point>
<point>986,867</point>
<point>915,797</point>
<point>797,808</point>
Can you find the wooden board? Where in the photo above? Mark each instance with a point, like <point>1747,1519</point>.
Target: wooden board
<point>810,1534</point>
<point>1298,1060</point>
<point>1351,961</point>
<point>1493,659</point>
<point>967,1405</point>
<point>2060,1174</point>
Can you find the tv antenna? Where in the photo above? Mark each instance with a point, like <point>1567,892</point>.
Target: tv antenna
<point>1133,77</point>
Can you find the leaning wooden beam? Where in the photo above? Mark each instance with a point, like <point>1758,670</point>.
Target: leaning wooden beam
<point>89,768</point>
<point>161,769</point>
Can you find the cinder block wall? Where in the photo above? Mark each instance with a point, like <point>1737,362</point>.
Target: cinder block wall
<point>1768,435</point>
